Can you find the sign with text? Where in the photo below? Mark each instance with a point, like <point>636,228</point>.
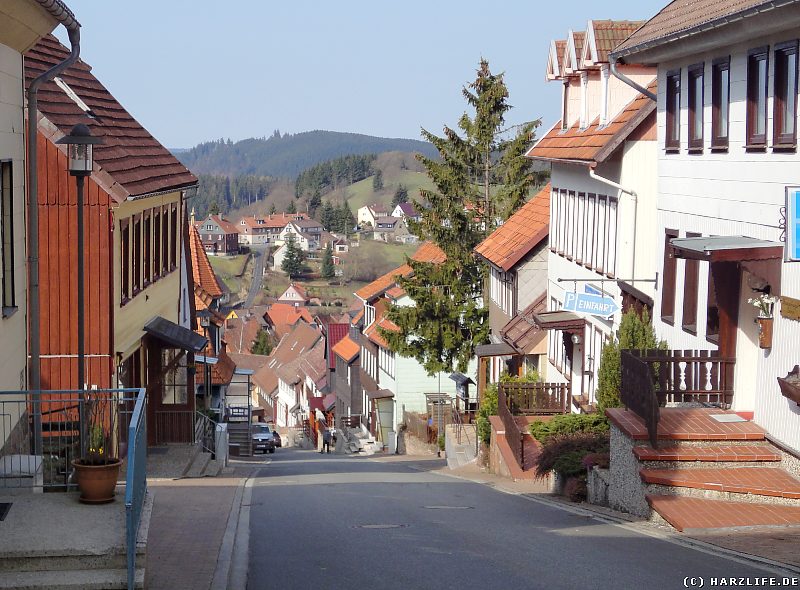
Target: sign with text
<point>603,307</point>
<point>792,223</point>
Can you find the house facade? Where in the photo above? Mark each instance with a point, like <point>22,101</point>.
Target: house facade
<point>369,213</point>
<point>391,229</point>
<point>219,235</point>
<point>294,295</point>
<point>603,199</point>
<point>297,234</point>
<point>726,225</point>
<point>517,254</point>
<point>138,306</point>
<point>406,211</point>
<point>253,231</point>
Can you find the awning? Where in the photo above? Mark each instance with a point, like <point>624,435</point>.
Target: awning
<point>559,320</point>
<point>726,248</point>
<point>461,379</point>
<point>329,402</point>
<point>498,349</point>
<point>175,335</point>
<point>380,394</point>
<point>522,333</point>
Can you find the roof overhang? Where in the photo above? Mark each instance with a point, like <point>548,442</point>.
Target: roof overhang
<point>176,336</point>
<point>565,321</point>
<point>495,349</point>
<point>380,394</point>
<point>726,249</point>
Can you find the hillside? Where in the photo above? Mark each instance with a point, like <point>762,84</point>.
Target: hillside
<point>287,155</point>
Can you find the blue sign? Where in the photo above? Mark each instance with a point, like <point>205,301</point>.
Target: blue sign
<point>793,223</point>
<point>603,307</point>
<point>589,290</point>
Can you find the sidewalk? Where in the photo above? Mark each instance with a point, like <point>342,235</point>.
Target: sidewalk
<point>188,524</point>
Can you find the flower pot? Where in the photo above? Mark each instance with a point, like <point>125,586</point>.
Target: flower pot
<point>764,332</point>
<point>97,482</point>
<point>790,385</point>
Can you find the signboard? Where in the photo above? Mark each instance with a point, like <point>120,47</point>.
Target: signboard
<point>590,290</point>
<point>603,307</point>
<point>792,249</point>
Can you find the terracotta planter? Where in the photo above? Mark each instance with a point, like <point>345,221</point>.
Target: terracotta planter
<point>790,385</point>
<point>97,482</point>
<point>765,332</point>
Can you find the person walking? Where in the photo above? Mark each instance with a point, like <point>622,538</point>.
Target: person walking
<point>326,440</point>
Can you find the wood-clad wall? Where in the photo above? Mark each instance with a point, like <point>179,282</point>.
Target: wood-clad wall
<point>58,259</point>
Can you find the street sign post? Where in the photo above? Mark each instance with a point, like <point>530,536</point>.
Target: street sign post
<point>603,307</point>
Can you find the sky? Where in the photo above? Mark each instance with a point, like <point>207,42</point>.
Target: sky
<point>193,71</point>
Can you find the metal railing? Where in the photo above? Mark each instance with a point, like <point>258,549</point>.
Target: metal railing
<point>537,398</point>
<point>514,435</point>
<point>205,432</point>
<point>637,391</point>
<point>56,414</point>
<point>135,480</point>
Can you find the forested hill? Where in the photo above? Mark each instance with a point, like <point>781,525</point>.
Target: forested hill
<point>288,155</point>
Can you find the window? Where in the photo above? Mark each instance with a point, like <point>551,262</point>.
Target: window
<point>164,240</point>
<point>157,242</point>
<point>174,389</point>
<point>690,283</point>
<point>565,106</point>
<point>712,310</point>
<point>7,237</point>
<point>720,102</point>
<point>673,131</point>
<point>695,75</point>
<point>757,62</point>
<point>591,224</point>
<point>668,286</point>
<point>784,116</point>
<point>136,263</point>
<point>174,239</point>
<point>125,259</point>
<point>147,257</point>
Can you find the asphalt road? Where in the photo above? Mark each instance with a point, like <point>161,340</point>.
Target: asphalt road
<point>258,275</point>
<point>330,521</point>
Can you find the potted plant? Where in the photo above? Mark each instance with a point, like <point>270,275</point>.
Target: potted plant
<point>765,304</point>
<point>97,469</point>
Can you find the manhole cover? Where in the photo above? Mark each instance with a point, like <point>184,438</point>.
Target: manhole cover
<point>379,526</point>
<point>4,508</point>
<point>449,507</point>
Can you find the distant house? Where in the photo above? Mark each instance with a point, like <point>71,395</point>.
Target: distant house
<point>390,229</point>
<point>294,295</point>
<point>296,232</point>
<point>219,235</point>
<point>368,214</point>
<point>275,223</point>
<point>280,318</point>
<point>253,231</point>
<point>406,211</point>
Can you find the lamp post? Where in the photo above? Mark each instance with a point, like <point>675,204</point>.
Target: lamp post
<point>205,323</point>
<point>79,144</point>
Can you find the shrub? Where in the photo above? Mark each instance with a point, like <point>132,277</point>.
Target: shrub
<point>575,489</point>
<point>570,464</point>
<point>571,447</point>
<point>601,460</point>
<point>441,442</point>
<point>488,408</point>
<point>568,424</point>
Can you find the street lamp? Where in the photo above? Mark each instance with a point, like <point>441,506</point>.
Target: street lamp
<point>79,144</point>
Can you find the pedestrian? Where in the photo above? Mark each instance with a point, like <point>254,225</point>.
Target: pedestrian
<point>326,440</point>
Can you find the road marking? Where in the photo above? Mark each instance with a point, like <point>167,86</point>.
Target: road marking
<point>379,526</point>
<point>449,507</point>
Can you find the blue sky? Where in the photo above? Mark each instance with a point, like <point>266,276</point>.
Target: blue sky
<point>191,71</point>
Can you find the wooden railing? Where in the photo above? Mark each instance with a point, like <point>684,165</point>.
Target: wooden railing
<point>537,398</point>
<point>353,421</point>
<point>653,378</point>
<point>514,435</point>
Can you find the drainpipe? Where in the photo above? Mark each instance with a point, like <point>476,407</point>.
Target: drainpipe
<point>633,196</point>
<point>61,13</point>
<point>617,74</point>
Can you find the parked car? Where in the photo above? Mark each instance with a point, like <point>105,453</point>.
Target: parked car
<point>262,439</point>
<point>276,437</point>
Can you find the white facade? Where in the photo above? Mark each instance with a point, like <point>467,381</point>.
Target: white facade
<point>735,192</point>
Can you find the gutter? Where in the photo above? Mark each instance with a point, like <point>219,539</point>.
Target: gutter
<point>619,75</point>
<point>63,15</point>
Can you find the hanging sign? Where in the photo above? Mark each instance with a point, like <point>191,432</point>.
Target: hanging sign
<point>792,250</point>
<point>597,305</point>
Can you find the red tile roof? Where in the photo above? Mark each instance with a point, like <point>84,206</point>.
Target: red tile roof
<point>335,333</point>
<point>608,34</point>
<point>283,316</point>
<point>241,333</point>
<point>202,271</point>
<point>395,292</point>
<point>521,332</point>
<point>595,143</point>
<point>374,334</point>
<point>281,220</point>
<point>681,17</point>
<point>427,252</point>
<point>520,234</point>
<point>347,349</point>
<point>224,224</point>
<point>136,162</point>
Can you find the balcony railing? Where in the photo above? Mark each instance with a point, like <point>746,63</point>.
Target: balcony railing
<point>654,378</point>
<point>532,399</point>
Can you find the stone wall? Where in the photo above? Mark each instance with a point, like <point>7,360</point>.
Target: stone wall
<point>626,490</point>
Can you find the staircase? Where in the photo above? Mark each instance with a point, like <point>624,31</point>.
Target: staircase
<point>460,444</point>
<point>358,440</point>
<point>239,434</point>
<point>711,470</point>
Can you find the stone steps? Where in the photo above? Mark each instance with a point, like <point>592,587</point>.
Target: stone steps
<point>708,453</point>
<point>768,482</point>
<point>198,466</point>
<point>686,514</point>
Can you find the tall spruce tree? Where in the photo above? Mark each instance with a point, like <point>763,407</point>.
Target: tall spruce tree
<point>328,271</point>
<point>293,261</point>
<point>328,216</point>
<point>292,208</point>
<point>481,176</point>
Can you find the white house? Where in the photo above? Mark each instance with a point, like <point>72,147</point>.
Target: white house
<point>369,213</point>
<point>293,232</point>
<point>602,210</point>
<point>253,231</point>
<point>294,295</point>
<point>406,211</point>
<point>727,167</point>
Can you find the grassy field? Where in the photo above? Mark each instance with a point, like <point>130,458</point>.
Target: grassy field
<point>361,193</point>
<point>392,254</point>
<point>229,266</point>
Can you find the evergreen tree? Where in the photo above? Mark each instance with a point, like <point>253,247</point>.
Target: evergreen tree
<point>272,209</point>
<point>448,320</point>
<point>345,220</point>
<point>293,262</point>
<point>292,208</point>
<point>328,270</point>
<point>328,216</point>
<point>213,209</point>
<point>377,181</point>
<point>400,196</point>
<point>313,203</point>
<point>262,344</point>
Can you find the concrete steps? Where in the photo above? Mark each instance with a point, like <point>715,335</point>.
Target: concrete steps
<point>239,434</point>
<point>198,466</point>
<point>463,453</point>
<point>686,514</point>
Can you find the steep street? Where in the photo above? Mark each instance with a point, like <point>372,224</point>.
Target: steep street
<point>331,521</point>
<point>259,259</point>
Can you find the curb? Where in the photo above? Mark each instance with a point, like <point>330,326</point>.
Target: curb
<point>222,571</point>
